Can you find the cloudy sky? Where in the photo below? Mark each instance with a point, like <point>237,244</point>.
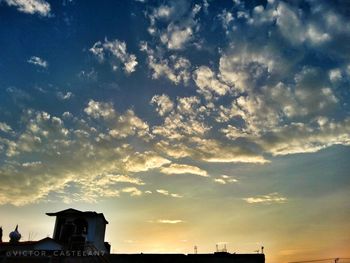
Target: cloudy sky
<point>185,123</point>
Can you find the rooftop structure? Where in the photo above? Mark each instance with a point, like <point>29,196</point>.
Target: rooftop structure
<point>80,230</point>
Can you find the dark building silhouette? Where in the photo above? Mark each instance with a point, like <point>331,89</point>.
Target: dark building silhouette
<point>79,237</point>
<point>79,230</point>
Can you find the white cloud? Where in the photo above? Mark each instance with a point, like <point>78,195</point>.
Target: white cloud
<point>32,164</point>
<point>266,199</point>
<point>124,179</point>
<point>38,62</point>
<point>292,27</point>
<point>98,50</point>
<point>66,96</point>
<point>225,179</point>
<point>180,24</point>
<point>208,83</point>
<point>315,36</point>
<point>117,50</point>
<point>40,7</point>
<point>5,127</point>
<point>67,115</point>
<point>133,191</point>
<point>164,104</point>
<point>188,105</point>
<point>219,181</point>
<point>97,109</point>
<point>173,150</point>
<point>167,193</point>
<point>141,162</point>
<point>183,169</point>
<point>226,18</point>
<point>301,138</point>
<point>176,69</point>
<point>289,23</point>
<point>175,127</point>
<point>176,37</point>
<point>169,221</point>
<point>128,124</point>
<point>211,150</point>
<point>245,65</point>
<point>335,75</point>
<point>162,191</point>
<point>82,163</point>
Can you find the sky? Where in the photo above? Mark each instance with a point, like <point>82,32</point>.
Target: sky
<point>187,123</point>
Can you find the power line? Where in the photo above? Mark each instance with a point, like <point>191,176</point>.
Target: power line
<point>317,260</point>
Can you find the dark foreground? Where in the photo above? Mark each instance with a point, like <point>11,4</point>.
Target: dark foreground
<point>142,258</point>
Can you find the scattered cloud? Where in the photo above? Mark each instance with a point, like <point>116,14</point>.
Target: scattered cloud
<point>133,191</point>
<point>225,179</point>
<point>266,199</point>
<point>82,163</point>
<point>208,83</point>
<point>128,124</point>
<point>241,102</point>
<point>38,62</point>
<point>180,24</point>
<point>141,162</point>
<point>97,109</point>
<point>116,50</point>
<point>167,193</point>
<point>226,18</point>
<point>183,169</point>
<point>40,7</point>
<point>32,164</point>
<point>124,179</point>
<point>175,68</point>
<point>169,221</point>
<point>164,104</point>
<point>68,95</point>
<point>5,127</point>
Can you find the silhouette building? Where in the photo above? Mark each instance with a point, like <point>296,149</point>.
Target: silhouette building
<point>80,230</point>
<point>79,237</point>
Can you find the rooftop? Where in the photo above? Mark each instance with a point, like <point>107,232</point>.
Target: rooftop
<point>71,211</point>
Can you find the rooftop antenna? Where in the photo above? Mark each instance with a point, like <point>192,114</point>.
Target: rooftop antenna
<point>262,251</point>
<point>195,249</point>
<point>217,248</point>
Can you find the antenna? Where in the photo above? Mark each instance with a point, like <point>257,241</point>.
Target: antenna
<point>217,248</point>
<point>195,249</point>
<point>262,249</point>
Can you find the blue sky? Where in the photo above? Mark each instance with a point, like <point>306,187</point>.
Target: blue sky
<point>174,116</point>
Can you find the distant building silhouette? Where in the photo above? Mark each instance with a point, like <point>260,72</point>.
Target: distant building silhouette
<point>80,230</point>
<point>79,237</point>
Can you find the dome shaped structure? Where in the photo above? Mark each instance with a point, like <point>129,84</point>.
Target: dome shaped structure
<point>15,236</point>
